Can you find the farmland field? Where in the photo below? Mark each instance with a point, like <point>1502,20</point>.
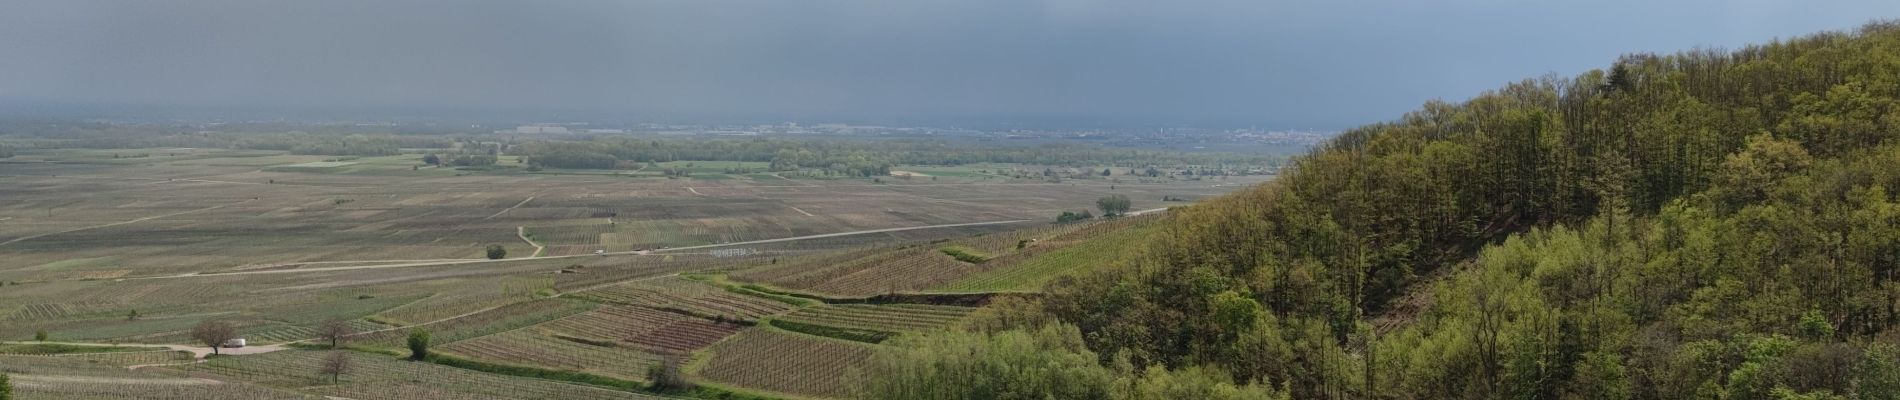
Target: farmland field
<point>526,347</point>
<point>780,362</point>
<point>688,296</point>
<point>1081,250</point>
<point>379,376</point>
<point>194,210</point>
<point>613,340</point>
<point>886,318</point>
<point>480,323</point>
<point>1007,261</point>
<point>608,274</point>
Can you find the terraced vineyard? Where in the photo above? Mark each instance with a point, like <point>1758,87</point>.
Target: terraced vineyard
<point>613,340</point>
<point>651,330</point>
<point>530,348</point>
<point>683,336</point>
<point>377,376</point>
<point>1029,270</point>
<point>482,323</point>
<point>877,272</point>
<point>782,362</point>
<point>688,296</point>
<point>611,322</point>
<point>62,378</point>
<point>640,267</point>
<point>987,259</point>
<point>886,318</point>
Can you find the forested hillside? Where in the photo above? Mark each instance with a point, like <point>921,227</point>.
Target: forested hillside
<point>1706,224</point>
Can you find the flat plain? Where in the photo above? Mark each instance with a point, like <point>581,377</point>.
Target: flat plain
<point>728,274</point>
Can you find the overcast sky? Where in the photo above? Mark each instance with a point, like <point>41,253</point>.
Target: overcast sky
<point>1278,64</point>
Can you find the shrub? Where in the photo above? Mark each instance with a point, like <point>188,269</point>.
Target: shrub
<point>418,345</point>
<point>965,254</point>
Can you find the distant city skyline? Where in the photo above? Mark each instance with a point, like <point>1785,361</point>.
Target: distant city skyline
<point>993,63</point>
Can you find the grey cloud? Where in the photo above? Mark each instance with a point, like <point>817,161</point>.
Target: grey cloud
<point>1309,64</point>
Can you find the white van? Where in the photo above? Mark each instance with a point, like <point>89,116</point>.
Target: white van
<point>234,343</point>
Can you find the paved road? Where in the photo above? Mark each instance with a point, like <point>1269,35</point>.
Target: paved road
<point>647,252</point>
<point>1151,210</point>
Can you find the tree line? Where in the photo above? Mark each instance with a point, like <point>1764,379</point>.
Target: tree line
<point>868,157</point>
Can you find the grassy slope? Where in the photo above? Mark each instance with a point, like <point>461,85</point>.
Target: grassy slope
<point>1032,273</point>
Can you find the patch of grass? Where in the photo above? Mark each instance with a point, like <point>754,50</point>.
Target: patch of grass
<point>965,254</point>
<point>751,290</point>
<point>586,341</point>
<point>855,335</point>
<point>1029,275</point>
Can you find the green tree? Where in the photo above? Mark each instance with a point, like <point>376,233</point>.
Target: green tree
<point>1645,231</point>
<point>418,344</point>
<point>1113,205</point>
<point>496,252</point>
<point>1047,363</point>
<point>1189,383</point>
<point>1040,362</point>
<point>667,376</point>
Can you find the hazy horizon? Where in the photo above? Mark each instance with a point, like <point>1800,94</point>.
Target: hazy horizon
<point>1209,63</point>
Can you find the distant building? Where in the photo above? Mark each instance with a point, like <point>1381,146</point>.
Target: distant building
<point>537,129</point>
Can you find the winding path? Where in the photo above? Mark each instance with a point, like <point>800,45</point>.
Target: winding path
<point>506,210</point>
<point>522,232</point>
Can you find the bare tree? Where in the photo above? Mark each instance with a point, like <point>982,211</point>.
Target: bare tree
<point>335,365</point>
<point>666,376</point>
<point>213,334</point>
<point>334,331</point>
